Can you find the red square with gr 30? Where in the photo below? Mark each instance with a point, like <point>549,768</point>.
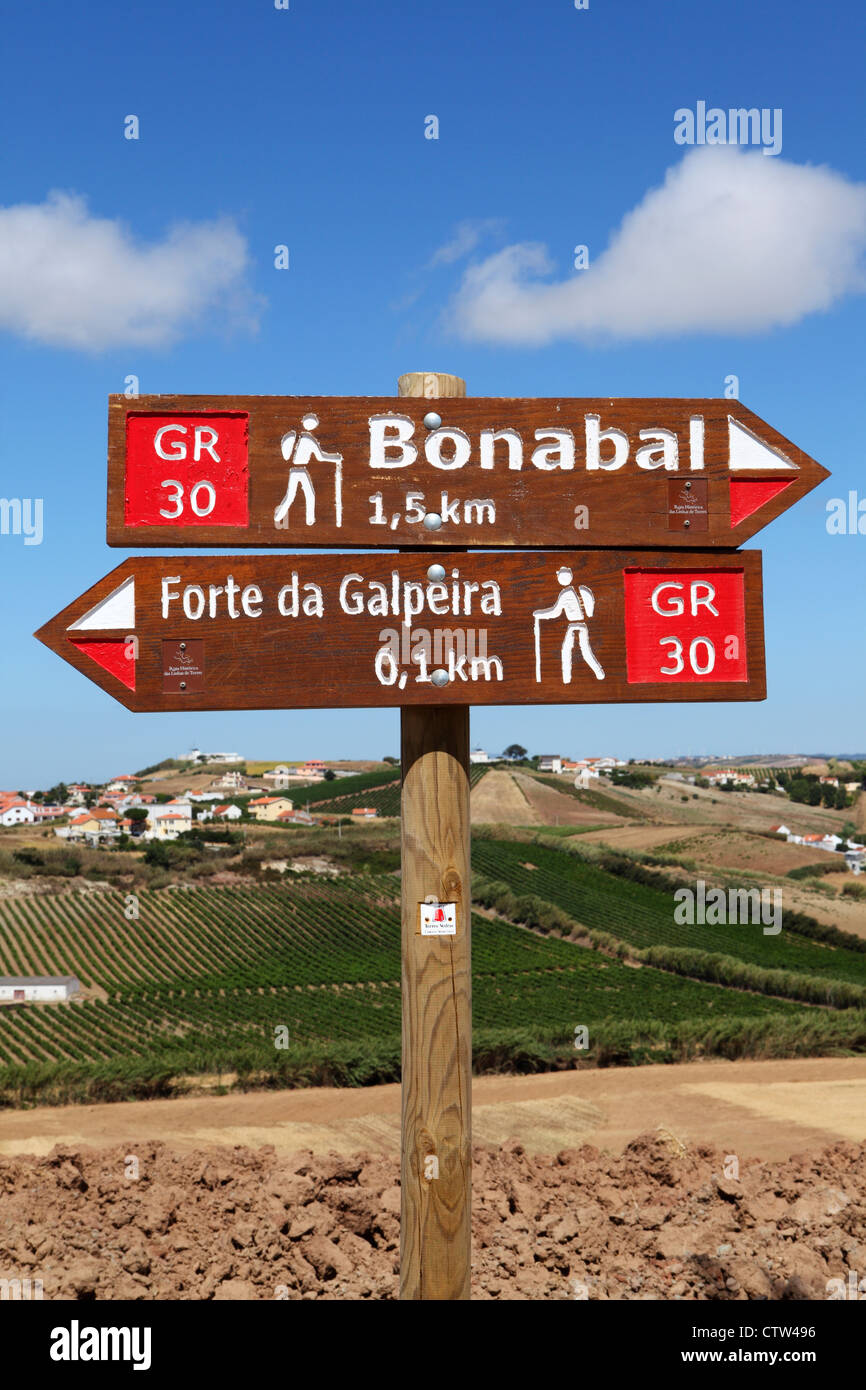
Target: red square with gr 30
<point>188,469</point>
<point>685,625</point>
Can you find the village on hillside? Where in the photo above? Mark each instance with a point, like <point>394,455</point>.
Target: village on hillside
<point>162,804</point>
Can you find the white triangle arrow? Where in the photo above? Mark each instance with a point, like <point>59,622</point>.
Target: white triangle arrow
<point>116,610</point>
<point>746,450</point>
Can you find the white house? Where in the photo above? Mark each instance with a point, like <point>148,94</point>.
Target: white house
<point>549,762</point>
<point>478,755</point>
<point>24,989</point>
<point>168,821</point>
<point>780,830</point>
<point>230,782</point>
<point>227,812</point>
<point>17,813</point>
<point>585,777</point>
<point>195,755</point>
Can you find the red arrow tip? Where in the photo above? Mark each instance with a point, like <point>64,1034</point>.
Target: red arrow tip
<point>117,656</point>
<point>748,494</point>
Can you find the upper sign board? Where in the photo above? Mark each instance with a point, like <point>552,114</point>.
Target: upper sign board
<point>341,631</point>
<point>386,472</point>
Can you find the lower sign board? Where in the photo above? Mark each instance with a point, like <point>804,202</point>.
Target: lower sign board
<point>480,628</point>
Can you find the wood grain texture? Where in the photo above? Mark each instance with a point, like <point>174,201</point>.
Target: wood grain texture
<point>530,506</point>
<point>280,661</point>
<point>436,975</point>
<point>437,1007</point>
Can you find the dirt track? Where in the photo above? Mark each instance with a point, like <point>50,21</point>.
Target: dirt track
<point>768,1110</point>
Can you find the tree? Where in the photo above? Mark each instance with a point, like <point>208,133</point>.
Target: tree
<point>514,752</point>
<point>329,774</point>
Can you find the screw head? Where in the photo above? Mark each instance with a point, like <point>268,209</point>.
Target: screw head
<point>688,487</point>
<point>183,685</point>
<point>183,646</point>
<point>439,677</point>
<point>432,421</point>
<point>432,521</point>
<point>687,524</point>
<point>436,573</point>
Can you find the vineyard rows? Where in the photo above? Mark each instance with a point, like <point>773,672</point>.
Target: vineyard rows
<point>206,974</point>
<point>644,916</point>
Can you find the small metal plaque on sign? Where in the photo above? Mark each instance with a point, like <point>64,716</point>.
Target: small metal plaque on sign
<point>687,505</point>
<point>437,919</point>
<point>183,665</point>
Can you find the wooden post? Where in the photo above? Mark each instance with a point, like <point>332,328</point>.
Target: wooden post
<point>436,1162</point>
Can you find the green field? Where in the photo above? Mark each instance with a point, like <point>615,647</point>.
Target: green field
<point>643,915</point>
<point>342,787</point>
<point>201,980</point>
<point>385,797</point>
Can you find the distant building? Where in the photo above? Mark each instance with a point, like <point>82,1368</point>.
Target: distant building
<point>478,755</point>
<point>227,812</point>
<point>585,777</point>
<point>17,813</point>
<point>195,755</point>
<point>93,827</point>
<point>549,762</point>
<point>33,989</point>
<point>364,812</point>
<point>829,843</point>
<point>169,820</point>
<point>230,782</point>
<point>780,830</point>
<point>269,808</point>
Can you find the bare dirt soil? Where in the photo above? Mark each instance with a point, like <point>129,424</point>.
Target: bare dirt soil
<point>734,849</point>
<point>749,1181</point>
<point>497,799</point>
<point>660,1221</point>
<point>558,808</point>
<point>506,798</point>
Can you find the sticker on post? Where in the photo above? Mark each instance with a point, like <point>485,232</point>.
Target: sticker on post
<point>438,919</point>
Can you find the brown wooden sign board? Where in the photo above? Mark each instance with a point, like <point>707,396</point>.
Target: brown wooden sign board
<point>349,631</point>
<point>292,471</point>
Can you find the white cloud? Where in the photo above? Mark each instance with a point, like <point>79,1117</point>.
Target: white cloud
<point>467,235</point>
<point>730,243</point>
<point>73,280</point>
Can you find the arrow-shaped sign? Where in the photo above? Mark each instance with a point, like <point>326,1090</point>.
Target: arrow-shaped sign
<point>341,631</point>
<point>289,471</point>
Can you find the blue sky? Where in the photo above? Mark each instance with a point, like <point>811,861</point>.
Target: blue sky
<point>307,127</point>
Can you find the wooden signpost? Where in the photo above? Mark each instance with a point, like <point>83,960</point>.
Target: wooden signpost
<point>290,471</point>
<point>674,612</point>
